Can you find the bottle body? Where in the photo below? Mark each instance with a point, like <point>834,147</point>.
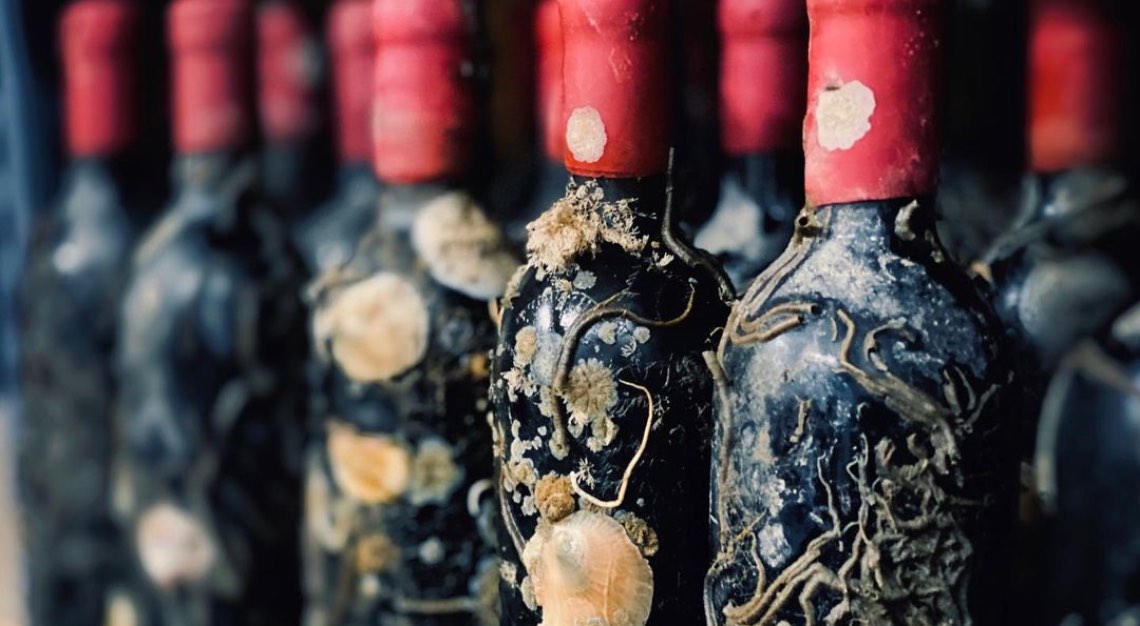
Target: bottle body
<point>212,405</point>
<point>602,410</point>
<point>1086,463</point>
<point>861,452</point>
<point>69,303</point>
<point>398,508</point>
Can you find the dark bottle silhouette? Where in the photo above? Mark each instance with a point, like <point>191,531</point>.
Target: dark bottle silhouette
<point>211,358</point>
<point>69,303</point>
<point>551,176</point>
<point>601,398</point>
<point>1087,469</point>
<point>398,499</point>
<point>326,236</point>
<point>290,74</point>
<point>1067,266</point>
<point>763,75</point>
<point>863,468</point>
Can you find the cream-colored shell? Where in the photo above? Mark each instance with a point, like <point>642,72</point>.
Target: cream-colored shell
<point>585,570</point>
<point>463,249</point>
<point>373,469</point>
<point>378,327</point>
<point>173,546</point>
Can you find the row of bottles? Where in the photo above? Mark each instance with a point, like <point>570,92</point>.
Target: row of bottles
<point>472,387</point>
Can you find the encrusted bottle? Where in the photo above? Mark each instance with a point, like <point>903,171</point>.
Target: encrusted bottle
<point>211,359</point>
<point>399,498</point>
<point>762,85</point>
<point>68,322</point>
<point>1067,266</point>
<point>1088,468</point>
<point>863,468</point>
<point>290,74</point>
<point>327,236</point>
<point>602,401</point>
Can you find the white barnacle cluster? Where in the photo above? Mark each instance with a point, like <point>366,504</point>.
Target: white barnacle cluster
<point>577,224</point>
<point>462,248</point>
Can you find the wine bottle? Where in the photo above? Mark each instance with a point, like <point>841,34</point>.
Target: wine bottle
<point>328,235</point>
<point>762,86</point>
<point>508,65</point>
<point>211,357</point>
<point>289,77</point>
<point>1087,469</point>
<point>68,304</point>
<point>863,464</point>
<point>398,503</point>
<point>551,174</point>
<point>602,404</point>
<point>1066,268</point>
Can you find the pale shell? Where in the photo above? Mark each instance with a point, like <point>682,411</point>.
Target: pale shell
<point>585,570</point>
<point>173,546</point>
<point>463,249</point>
<point>373,469</point>
<point>378,327</point>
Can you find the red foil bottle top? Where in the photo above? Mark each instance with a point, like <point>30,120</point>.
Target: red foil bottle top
<point>352,48</point>
<point>616,82</point>
<point>870,132</point>
<point>209,41</point>
<point>288,69</point>
<point>98,38</point>
<point>1075,86</point>
<point>424,113</point>
<point>548,34</point>
<point>763,77</point>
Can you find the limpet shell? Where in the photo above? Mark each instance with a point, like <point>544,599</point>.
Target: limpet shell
<point>585,570</point>
<point>173,546</point>
<point>373,469</point>
<point>378,327</point>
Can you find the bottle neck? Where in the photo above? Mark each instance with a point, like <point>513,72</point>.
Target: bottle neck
<point>400,202</point>
<point>769,177</point>
<point>646,198</point>
<point>209,171</point>
<point>287,169</point>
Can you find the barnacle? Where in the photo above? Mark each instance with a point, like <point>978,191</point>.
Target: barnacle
<point>434,473</point>
<point>590,393</point>
<point>376,553</point>
<point>462,248</point>
<point>378,327</point>
<point>374,469</point>
<point>555,497</point>
<point>585,570</point>
<point>173,546</point>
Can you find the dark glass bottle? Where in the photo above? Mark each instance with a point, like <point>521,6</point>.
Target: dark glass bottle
<point>863,469</point>
<point>601,399</point>
<point>1087,469</point>
<point>398,497</point>
<point>211,359</point>
<point>68,322</point>
<point>551,176</point>
<point>290,72</point>
<point>763,72</point>
<point>1067,266</point>
<point>326,237</point>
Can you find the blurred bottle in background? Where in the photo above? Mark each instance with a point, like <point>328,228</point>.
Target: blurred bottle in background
<point>763,87</point>
<point>290,73</point>
<point>398,507</point>
<point>68,320</point>
<point>211,358</point>
<point>327,236</point>
<point>551,176</point>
